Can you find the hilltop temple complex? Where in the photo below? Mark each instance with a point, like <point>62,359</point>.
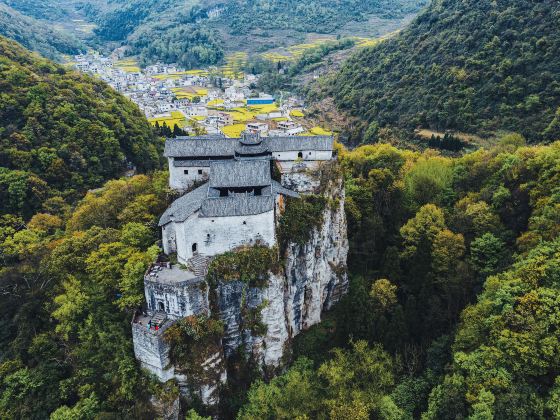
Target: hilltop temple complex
<point>229,200</point>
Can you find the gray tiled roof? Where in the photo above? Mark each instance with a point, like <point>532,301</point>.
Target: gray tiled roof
<point>277,188</point>
<point>184,206</point>
<point>237,206</point>
<point>220,146</point>
<point>243,149</point>
<point>194,146</point>
<point>235,173</point>
<point>295,143</point>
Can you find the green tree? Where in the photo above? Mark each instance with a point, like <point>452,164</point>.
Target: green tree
<point>488,254</point>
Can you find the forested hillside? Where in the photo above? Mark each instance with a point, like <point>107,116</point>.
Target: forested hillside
<point>454,306</point>
<point>40,9</point>
<point>467,65</point>
<point>37,35</point>
<point>197,33</point>
<point>64,331</point>
<point>68,282</point>
<point>62,133</point>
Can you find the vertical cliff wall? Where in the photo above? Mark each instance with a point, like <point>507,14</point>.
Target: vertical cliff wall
<point>263,320</point>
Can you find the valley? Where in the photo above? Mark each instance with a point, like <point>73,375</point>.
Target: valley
<point>273,209</point>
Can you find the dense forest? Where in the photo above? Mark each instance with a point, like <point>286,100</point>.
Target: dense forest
<point>453,309</point>
<point>62,133</point>
<point>310,16</point>
<point>40,9</point>
<point>68,281</point>
<point>37,35</point>
<point>472,66</point>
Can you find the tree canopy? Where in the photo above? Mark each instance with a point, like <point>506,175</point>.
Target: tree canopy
<point>63,133</point>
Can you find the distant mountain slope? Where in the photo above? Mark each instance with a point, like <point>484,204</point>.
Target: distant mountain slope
<point>36,35</point>
<point>194,32</point>
<point>39,9</point>
<point>62,133</point>
<point>468,65</point>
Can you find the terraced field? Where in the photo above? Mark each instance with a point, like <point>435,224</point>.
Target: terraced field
<point>234,130</point>
<point>189,92</point>
<point>176,118</point>
<point>129,65</point>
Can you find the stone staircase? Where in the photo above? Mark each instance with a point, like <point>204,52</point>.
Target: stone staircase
<point>159,318</point>
<point>199,265</point>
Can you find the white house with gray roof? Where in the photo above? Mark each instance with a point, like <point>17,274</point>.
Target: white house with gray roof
<point>237,206</point>
<point>189,158</point>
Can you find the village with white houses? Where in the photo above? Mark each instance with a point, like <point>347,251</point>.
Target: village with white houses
<point>200,102</point>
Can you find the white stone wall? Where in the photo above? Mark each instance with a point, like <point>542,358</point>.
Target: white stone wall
<point>217,235</point>
<point>168,238</point>
<point>180,299</point>
<point>152,352</point>
<point>179,180</point>
<point>306,155</point>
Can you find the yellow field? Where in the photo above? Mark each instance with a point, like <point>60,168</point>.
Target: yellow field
<point>176,118</point>
<point>233,69</point>
<point>180,74</point>
<point>367,42</point>
<point>298,50</point>
<point>182,93</point>
<point>195,72</point>
<point>129,66</point>
<point>293,52</point>
<point>242,115</point>
<point>215,102</point>
<point>276,57</point>
<point>233,130</point>
<point>263,109</point>
<point>297,113</point>
<point>250,112</point>
<point>316,131</point>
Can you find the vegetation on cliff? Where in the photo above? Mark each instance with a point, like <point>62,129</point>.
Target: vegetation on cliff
<point>473,66</point>
<point>193,340</point>
<point>250,264</point>
<point>299,218</point>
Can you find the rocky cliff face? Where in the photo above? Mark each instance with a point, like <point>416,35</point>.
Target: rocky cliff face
<point>312,280</point>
